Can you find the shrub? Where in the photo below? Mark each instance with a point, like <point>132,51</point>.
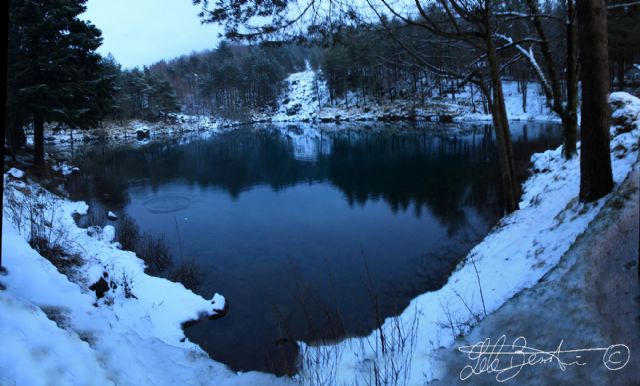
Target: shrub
<point>154,252</point>
<point>127,233</point>
<point>189,274</point>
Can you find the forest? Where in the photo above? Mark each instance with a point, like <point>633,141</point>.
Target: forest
<point>376,61</point>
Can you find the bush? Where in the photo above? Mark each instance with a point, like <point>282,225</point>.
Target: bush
<point>155,253</point>
<point>128,233</point>
<point>189,274</point>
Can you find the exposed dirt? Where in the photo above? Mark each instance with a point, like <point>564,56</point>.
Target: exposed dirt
<point>591,299</point>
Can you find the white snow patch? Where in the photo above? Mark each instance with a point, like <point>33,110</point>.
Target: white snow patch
<point>15,173</point>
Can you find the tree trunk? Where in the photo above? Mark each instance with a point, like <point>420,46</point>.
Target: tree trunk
<point>524,92</point>
<point>570,118</point>
<point>10,137</point>
<point>503,136</point>
<point>621,74</point>
<point>38,139</point>
<point>595,160</point>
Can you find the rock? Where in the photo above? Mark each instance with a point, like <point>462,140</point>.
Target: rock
<point>16,173</point>
<point>100,287</point>
<point>445,118</point>
<point>108,233</point>
<point>143,134</point>
<point>94,231</point>
<point>112,216</point>
<point>294,109</point>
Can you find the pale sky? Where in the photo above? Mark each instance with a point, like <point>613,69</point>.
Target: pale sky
<point>141,32</point>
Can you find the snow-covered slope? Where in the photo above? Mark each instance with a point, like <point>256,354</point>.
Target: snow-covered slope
<point>305,94</point>
<point>306,98</point>
<point>54,330</point>
<point>515,255</point>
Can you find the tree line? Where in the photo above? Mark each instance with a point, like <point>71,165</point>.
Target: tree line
<point>231,79</point>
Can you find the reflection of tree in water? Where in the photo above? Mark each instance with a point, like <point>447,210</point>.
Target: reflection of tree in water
<point>423,172</point>
<point>414,170</point>
<point>419,173</point>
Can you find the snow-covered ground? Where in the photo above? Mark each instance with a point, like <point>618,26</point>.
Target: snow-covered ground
<point>522,248</point>
<point>306,99</point>
<point>55,331</point>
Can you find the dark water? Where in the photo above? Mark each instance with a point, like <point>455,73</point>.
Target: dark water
<point>310,234</point>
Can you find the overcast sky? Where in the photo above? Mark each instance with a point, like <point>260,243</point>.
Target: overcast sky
<point>141,32</point>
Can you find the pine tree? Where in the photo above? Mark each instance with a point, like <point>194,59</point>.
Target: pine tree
<point>53,73</point>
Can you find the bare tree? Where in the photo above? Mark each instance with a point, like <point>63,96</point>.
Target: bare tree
<point>547,73</point>
<point>475,24</point>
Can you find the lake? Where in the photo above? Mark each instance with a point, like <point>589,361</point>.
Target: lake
<point>311,234</point>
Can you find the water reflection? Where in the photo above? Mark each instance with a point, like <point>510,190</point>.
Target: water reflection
<point>311,233</point>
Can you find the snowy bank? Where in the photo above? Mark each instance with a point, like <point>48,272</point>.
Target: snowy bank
<point>306,99</point>
<point>136,131</point>
<point>54,329</point>
<point>519,251</point>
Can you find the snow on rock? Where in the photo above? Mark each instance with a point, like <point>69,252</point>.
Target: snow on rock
<point>626,111</point>
<point>108,233</point>
<point>16,173</point>
<point>65,168</point>
<point>143,133</point>
<point>112,216</point>
<point>522,248</point>
<point>53,329</point>
<point>306,93</point>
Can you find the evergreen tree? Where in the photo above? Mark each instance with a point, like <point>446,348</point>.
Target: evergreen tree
<point>53,73</point>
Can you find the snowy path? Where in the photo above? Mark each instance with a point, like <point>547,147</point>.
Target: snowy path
<point>591,299</point>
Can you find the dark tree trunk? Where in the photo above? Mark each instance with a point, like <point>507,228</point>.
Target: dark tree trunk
<point>620,74</point>
<point>595,160</point>
<point>10,137</point>
<point>38,139</point>
<point>570,119</point>
<point>553,93</point>
<point>503,136</point>
<point>525,83</point>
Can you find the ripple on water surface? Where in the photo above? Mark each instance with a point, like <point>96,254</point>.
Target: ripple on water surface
<point>167,204</point>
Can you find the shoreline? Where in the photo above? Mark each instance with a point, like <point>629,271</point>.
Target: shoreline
<point>540,185</point>
<point>591,298</point>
